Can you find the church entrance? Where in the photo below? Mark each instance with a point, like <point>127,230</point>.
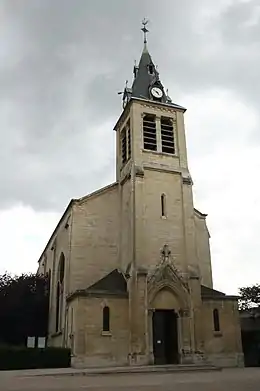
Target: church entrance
<point>165,337</point>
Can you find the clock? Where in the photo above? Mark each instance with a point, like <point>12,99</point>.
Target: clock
<point>156,92</point>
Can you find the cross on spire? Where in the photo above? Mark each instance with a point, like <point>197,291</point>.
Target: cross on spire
<point>144,29</point>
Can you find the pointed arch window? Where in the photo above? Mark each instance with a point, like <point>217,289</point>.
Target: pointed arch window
<point>49,280</point>
<point>163,205</point>
<point>106,318</point>
<point>57,307</point>
<point>149,132</point>
<point>60,292</point>
<point>216,320</point>
<point>61,268</point>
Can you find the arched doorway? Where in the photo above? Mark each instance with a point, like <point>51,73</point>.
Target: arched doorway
<point>165,325</point>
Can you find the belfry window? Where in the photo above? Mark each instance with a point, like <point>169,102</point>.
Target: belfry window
<point>167,135</point>
<point>106,319</point>
<point>123,146</point>
<point>163,205</point>
<point>125,141</point>
<point>216,320</point>
<point>128,141</point>
<point>149,132</point>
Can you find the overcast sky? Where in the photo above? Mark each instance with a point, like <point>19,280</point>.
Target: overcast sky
<point>62,63</point>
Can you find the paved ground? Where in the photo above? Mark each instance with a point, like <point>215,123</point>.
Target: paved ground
<point>227,380</point>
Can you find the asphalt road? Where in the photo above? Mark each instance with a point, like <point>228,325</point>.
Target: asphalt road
<point>227,380</point>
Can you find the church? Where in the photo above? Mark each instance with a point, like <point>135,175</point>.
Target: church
<point>129,265</point>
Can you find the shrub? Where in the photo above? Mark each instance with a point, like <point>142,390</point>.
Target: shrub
<point>12,358</point>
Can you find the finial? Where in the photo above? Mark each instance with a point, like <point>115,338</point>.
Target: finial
<point>144,29</point>
<point>165,253</point>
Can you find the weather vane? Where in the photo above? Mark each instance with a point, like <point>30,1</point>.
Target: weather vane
<point>144,29</point>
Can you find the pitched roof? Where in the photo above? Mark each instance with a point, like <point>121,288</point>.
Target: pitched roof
<point>212,294</point>
<point>209,292</point>
<point>114,282</point>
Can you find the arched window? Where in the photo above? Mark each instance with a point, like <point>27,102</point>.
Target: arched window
<point>49,280</point>
<point>57,307</point>
<point>61,268</point>
<point>60,292</point>
<point>106,319</point>
<point>216,320</point>
<point>163,205</point>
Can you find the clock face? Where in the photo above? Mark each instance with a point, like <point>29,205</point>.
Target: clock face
<point>156,92</point>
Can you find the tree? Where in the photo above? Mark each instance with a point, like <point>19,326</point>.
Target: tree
<point>24,306</point>
<point>249,297</point>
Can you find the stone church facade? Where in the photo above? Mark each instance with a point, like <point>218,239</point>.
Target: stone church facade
<point>129,265</point>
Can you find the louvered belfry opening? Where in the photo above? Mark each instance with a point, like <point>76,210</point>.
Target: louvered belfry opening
<point>149,132</point>
<point>129,141</point>
<point>123,146</point>
<point>167,135</point>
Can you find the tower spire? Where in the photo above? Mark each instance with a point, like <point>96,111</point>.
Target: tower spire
<point>146,83</point>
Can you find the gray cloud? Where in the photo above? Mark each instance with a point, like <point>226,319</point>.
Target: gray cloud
<point>62,63</point>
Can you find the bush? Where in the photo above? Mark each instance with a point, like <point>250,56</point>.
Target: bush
<point>12,358</point>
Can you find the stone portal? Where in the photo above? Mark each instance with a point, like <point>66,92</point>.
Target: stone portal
<point>165,337</point>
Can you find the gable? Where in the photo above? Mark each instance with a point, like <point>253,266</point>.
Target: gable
<point>98,192</point>
<point>165,276</point>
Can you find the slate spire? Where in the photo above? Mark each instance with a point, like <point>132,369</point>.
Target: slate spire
<point>146,75</point>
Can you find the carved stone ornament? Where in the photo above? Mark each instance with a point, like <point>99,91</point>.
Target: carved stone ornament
<point>162,109</point>
<point>165,270</point>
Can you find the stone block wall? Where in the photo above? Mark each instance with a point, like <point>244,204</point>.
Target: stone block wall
<point>224,347</point>
<point>95,238</point>
<point>95,347</point>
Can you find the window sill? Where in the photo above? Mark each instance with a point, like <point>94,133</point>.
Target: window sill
<point>160,153</point>
<point>218,334</point>
<point>106,334</point>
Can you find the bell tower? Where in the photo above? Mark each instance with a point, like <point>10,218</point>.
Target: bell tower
<point>156,201</point>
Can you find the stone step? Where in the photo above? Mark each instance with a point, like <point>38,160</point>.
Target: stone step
<point>154,369</point>
<point>124,370</point>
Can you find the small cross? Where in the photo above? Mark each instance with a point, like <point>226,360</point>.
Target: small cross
<point>144,29</point>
